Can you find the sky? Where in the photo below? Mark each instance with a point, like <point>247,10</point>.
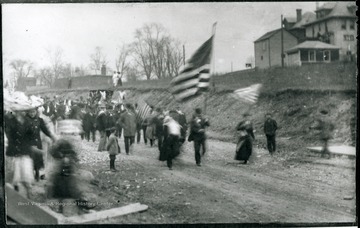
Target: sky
<point>77,28</point>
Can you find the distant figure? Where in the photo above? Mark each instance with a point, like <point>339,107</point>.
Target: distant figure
<point>326,133</point>
<point>115,79</point>
<point>270,127</point>
<point>69,83</point>
<point>101,123</point>
<point>119,78</point>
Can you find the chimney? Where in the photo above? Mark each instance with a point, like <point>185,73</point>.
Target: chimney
<point>298,15</point>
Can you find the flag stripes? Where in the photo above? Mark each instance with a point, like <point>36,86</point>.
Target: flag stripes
<point>249,94</point>
<point>194,78</point>
<point>144,111</point>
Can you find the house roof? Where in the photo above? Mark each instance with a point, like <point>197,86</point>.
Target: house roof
<point>338,9</point>
<point>306,18</point>
<point>290,19</point>
<point>270,34</point>
<point>312,45</point>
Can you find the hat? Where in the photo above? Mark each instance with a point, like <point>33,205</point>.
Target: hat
<point>36,101</point>
<point>16,101</point>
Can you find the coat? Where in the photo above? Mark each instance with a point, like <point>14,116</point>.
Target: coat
<point>244,148</point>
<point>101,121</point>
<point>112,145</point>
<point>88,122</point>
<point>15,134</point>
<point>128,123</point>
<point>197,128</point>
<point>270,127</point>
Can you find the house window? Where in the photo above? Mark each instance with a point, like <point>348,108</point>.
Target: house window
<point>343,24</point>
<point>261,57</point>
<point>349,38</point>
<point>313,31</point>
<point>311,56</point>
<point>264,46</point>
<point>352,25</point>
<point>326,28</point>
<point>326,56</point>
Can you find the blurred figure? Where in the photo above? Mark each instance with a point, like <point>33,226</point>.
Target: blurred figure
<point>88,123</point>
<point>115,79</point>
<point>18,154</point>
<point>170,149</point>
<point>150,127</point>
<point>270,127</point>
<point>101,123</point>
<point>197,134</point>
<point>33,125</point>
<point>326,133</point>
<point>245,139</point>
<point>158,121</point>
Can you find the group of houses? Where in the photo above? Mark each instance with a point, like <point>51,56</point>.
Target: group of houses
<point>328,35</point>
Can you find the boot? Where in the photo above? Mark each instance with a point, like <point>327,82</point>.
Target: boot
<point>112,165</point>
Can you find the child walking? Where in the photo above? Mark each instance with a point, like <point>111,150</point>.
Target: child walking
<point>113,148</point>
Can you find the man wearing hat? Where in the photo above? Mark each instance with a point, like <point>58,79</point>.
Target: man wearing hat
<point>128,122</point>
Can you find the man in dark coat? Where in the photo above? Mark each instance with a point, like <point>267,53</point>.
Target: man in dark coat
<point>88,123</point>
<point>128,122</point>
<point>197,134</point>
<point>270,127</point>
<point>180,117</point>
<point>101,124</point>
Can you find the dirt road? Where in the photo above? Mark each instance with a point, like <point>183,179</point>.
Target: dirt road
<point>269,189</point>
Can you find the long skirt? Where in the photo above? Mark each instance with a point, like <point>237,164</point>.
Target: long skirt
<point>22,170</point>
<point>243,148</point>
<point>170,149</point>
<point>150,132</point>
<point>103,140</point>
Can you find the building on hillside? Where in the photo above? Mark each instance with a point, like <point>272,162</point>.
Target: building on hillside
<point>296,27</point>
<point>335,24</point>
<point>268,48</point>
<point>310,52</point>
<point>23,82</point>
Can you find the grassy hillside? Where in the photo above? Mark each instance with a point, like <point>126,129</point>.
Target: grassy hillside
<point>295,96</point>
<point>318,76</point>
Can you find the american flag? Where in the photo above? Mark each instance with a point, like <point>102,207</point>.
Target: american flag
<point>194,78</point>
<point>249,94</point>
<point>144,111</point>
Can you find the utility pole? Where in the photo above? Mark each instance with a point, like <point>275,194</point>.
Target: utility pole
<point>231,66</point>
<point>282,42</point>
<point>184,54</point>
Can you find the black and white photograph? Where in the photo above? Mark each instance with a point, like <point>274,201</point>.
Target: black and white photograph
<point>205,113</point>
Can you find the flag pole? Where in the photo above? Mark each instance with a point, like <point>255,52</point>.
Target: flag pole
<point>211,63</point>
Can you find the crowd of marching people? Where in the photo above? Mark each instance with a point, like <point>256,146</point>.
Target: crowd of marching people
<point>31,128</point>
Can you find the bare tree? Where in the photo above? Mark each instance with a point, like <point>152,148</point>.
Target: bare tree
<point>22,68</point>
<point>80,71</point>
<point>141,54</point>
<point>132,73</point>
<point>156,52</point>
<point>121,61</point>
<point>45,75</point>
<point>56,63</point>
<point>97,59</point>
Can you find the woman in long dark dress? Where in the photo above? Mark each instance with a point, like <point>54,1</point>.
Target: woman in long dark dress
<point>245,141</point>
